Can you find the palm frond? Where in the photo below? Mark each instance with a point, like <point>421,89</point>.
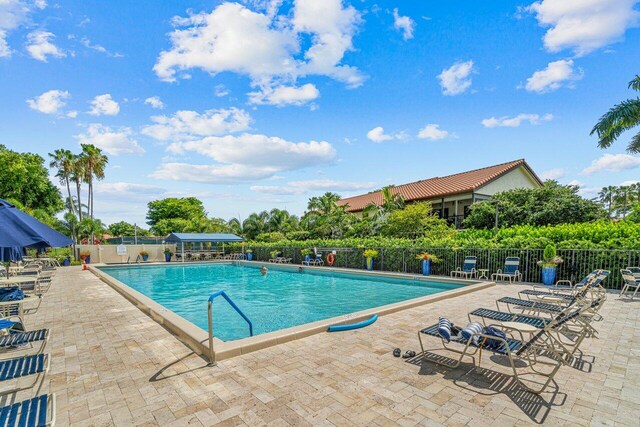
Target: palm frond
<point>634,144</point>
<point>635,83</point>
<point>619,118</point>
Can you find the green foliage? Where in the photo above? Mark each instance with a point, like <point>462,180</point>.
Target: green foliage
<point>168,251</point>
<point>306,252</point>
<point>550,257</point>
<point>270,237</point>
<point>620,118</point>
<point>24,179</point>
<point>549,252</point>
<point>370,253</point>
<point>634,216</point>
<point>416,221</point>
<point>123,228</point>
<point>427,256</point>
<point>549,205</point>
<point>174,214</point>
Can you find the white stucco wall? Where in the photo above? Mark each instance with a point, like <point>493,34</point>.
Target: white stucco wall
<point>517,178</point>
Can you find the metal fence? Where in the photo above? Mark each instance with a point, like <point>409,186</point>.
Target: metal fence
<point>133,240</point>
<point>577,262</point>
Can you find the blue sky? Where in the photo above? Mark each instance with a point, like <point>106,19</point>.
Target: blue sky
<point>261,104</point>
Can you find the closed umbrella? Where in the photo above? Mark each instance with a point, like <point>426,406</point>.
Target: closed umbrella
<point>19,231</point>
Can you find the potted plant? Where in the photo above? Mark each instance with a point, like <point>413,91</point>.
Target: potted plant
<point>549,264</point>
<point>426,259</point>
<point>370,254</point>
<point>249,253</point>
<point>274,254</point>
<point>307,254</point>
<point>144,254</point>
<point>85,256</point>
<point>167,255</point>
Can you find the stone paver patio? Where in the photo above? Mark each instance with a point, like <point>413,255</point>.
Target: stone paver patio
<point>113,365</point>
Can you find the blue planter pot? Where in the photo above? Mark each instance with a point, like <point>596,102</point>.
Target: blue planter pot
<point>144,258</point>
<point>370,264</point>
<point>307,258</point>
<point>250,256</point>
<point>66,262</point>
<point>426,267</point>
<point>87,260</point>
<point>549,275</point>
<point>167,257</point>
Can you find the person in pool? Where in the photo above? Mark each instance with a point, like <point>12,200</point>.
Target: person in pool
<point>264,270</point>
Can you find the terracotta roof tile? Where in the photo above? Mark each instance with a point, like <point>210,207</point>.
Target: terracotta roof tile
<point>439,186</point>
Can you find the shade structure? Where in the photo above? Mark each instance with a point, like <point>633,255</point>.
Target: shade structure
<point>202,237</point>
<point>19,230</point>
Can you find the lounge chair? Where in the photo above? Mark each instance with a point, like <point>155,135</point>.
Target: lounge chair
<point>635,271</point>
<point>516,350</point>
<point>630,281</point>
<point>468,268</point>
<point>21,367</point>
<point>38,411</point>
<point>510,271</point>
<point>18,339</point>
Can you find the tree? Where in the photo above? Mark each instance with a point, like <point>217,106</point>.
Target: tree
<point>255,224</point>
<point>164,214</point>
<point>88,228</point>
<point>549,205</point>
<point>621,117</point>
<point>415,221</point>
<point>606,197</point>
<point>325,219</point>
<point>121,228</point>
<point>77,175</point>
<point>63,161</point>
<point>25,179</point>
<point>94,163</point>
<point>378,213</point>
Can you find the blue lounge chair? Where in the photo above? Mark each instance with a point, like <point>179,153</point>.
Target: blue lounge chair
<point>468,268</point>
<point>36,412</point>
<point>19,340</point>
<point>511,270</point>
<point>20,367</point>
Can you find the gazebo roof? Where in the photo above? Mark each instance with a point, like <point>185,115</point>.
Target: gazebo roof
<point>202,237</point>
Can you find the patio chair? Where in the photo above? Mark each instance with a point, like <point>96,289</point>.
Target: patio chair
<point>516,350</point>
<point>635,271</point>
<point>563,291</point>
<point>38,411</point>
<point>630,281</point>
<point>20,340</point>
<point>510,271</point>
<point>25,366</point>
<point>468,268</point>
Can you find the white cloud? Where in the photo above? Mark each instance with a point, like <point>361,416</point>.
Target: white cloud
<point>404,24</point>
<point>433,132</point>
<point>457,78</point>
<point>377,135</point>
<point>113,141</point>
<point>104,105</point>
<point>128,190</point>
<point>514,122</point>
<point>554,174</point>
<point>631,182</point>
<point>87,43</point>
<point>39,46</point>
<point>72,114</point>
<point>244,158</point>
<point>13,13</point>
<point>50,102</point>
<point>285,95</point>
<point>155,102</point>
<point>557,74</point>
<point>612,163</point>
<point>317,185</point>
<point>584,25</point>
<point>221,91</point>
<point>191,124</point>
<point>265,47</point>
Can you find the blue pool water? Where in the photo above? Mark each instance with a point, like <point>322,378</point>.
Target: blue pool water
<point>279,300</point>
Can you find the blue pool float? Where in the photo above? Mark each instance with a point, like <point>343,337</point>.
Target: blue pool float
<point>338,328</point>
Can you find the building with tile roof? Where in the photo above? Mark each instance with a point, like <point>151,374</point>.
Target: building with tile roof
<point>452,195</point>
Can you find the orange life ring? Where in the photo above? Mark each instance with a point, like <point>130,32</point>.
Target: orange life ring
<point>331,258</point>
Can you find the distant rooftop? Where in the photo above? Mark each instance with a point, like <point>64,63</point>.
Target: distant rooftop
<point>437,187</point>
<point>202,237</point>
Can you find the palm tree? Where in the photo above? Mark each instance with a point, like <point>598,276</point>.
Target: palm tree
<point>390,202</point>
<point>77,174</point>
<point>606,197</point>
<point>94,165</point>
<point>63,161</point>
<point>621,196</point>
<point>619,118</point>
<point>255,224</point>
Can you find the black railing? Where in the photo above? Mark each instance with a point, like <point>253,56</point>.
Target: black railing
<point>577,262</point>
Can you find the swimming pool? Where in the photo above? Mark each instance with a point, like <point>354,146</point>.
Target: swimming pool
<point>281,299</point>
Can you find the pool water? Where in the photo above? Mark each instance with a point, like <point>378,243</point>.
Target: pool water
<point>278,300</point>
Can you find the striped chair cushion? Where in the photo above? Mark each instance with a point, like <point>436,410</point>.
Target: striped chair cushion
<point>21,338</point>
<point>21,366</point>
<point>514,345</point>
<point>531,304</point>
<point>444,329</point>
<point>501,316</point>
<point>28,413</point>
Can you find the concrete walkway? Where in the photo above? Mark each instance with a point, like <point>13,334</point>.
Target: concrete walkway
<point>112,365</point>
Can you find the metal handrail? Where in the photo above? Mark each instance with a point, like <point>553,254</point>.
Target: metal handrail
<point>212,355</point>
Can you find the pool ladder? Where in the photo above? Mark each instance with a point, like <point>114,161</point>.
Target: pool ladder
<point>223,294</point>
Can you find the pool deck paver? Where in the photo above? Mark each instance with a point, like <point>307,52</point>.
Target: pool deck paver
<point>113,365</point>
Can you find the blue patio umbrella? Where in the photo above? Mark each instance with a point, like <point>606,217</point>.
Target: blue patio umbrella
<point>19,231</point>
